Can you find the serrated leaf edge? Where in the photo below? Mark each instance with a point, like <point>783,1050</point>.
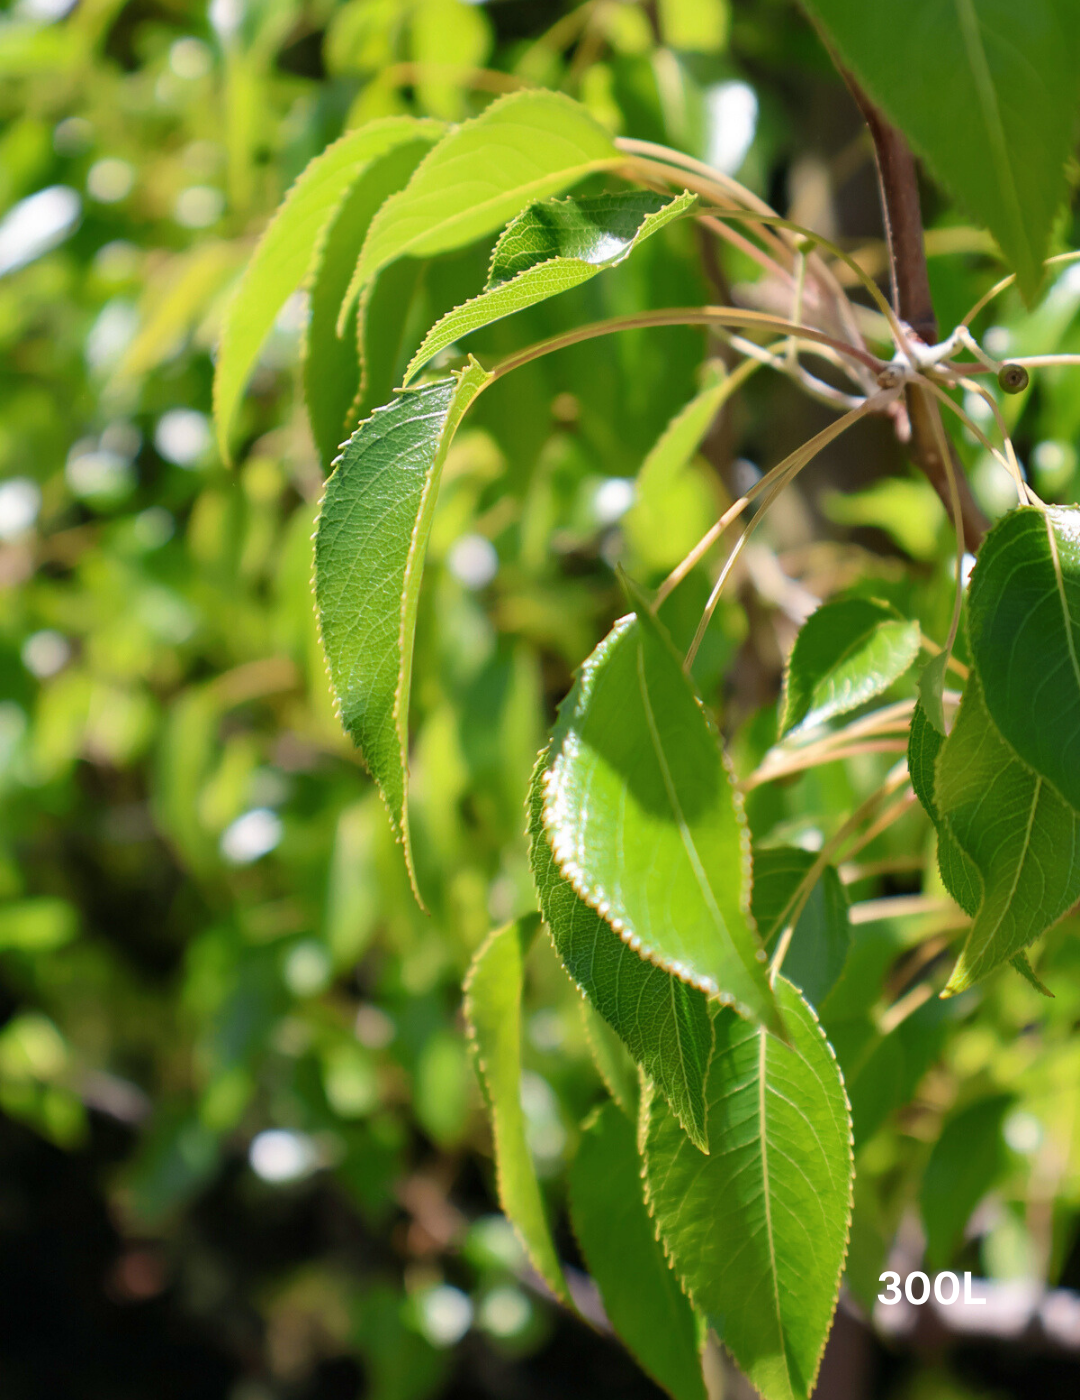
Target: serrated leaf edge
<point>650,224</point>
<point>571,872</point>
<point>648,1089</point>
<point>697,1135</point>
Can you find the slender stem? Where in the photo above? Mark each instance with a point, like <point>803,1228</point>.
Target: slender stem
<point>784,473</point>
<point>1023,490</point>
<point>683,316</point>
<point>792,911</point>
<point>815,758</point>
<point>911,294</point>
<point>958,525</point>
<point>999,287</point>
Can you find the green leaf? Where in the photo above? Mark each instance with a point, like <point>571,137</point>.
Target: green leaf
<point>522,148</point>
<point>1024,624</point>
<point>932,691</point>
<point>1021,837</point>
<point>881,1072</point>
<point>613,1061</point>
<point>758,1229</point>
<point>286,252</point>
<point>820,942</point>
<point>958,874</point>
<point>332,369</point>
<point>493,1013</point>
<point>664,1023</point>
<point>698,26</point>
<point>673,503</point>
<point>641,1295</point>
<point>966,1161</point>
<point>986,92</point>
<point>846,653</point>
<point>551,248</point>
<point>643,818</point>
<point>370,543</point>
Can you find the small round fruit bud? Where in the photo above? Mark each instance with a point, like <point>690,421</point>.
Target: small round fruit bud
<point>1013,378</point>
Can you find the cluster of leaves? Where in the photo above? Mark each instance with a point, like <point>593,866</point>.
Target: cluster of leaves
<point>208,931</point>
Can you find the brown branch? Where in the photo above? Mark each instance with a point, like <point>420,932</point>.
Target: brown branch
<point>898,181</point>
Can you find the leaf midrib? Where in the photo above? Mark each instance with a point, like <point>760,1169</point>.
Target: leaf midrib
<point>685,835</point>
<point>767,1201</point>
<point>991,115</point>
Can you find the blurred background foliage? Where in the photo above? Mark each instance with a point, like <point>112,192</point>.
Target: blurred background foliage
<point>242,1152</point>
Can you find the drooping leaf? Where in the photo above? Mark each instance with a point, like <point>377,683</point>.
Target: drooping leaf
<point>959,876</point>
<point>987,94</point>
<point>176,300</point>
<point>522,148</point>
<point>966,1160</point>
<point>493,1013</point>
<point>758,1229</point>
<point>370,544</point>
<point>881,1072</point>
<point>551,248</point>
<point>1024,624</point>
<point>846,653</point>
<point>699,26</point>
<point>672,498</point>
<point>641,1294</point>
<point>932,691</point>
<point>331,362</point>
<point>285,252</point>
<point>447,39</point>
<point>1022,838</point>
<point>643,818</point>
<point>664,1023</point>
<point>613,1061</point>
<point>819,944</point>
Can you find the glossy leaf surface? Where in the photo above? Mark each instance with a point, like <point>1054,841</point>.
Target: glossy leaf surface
<point>551,248</point>
<point>1024,622</point>
<point>370,544</point>
<point>664,1023</point>
<point>758,1229</point>
<point>644,821</point>
<point>846,653</point>
<point>287,250</point>
<point>493,1012</point>
<point>522,148</point>
<point>987,94</point>
<point>819,944</point>
<point>642,1296</point>
<point>1019,834</point>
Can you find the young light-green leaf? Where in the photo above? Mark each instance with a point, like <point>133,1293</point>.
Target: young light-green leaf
<point>1024,624</point>
<point>522,148</point>
<point>663,1022</point>
<point>1022,838</point>
<point>493,1013</point>
<point>846,653</point>
<point>645,823</point>
<point>370,544</point>
<point>551,248</point>
<point>332,367</point>
<point>819,944</point>
<point>758,1229</point>
<point>641,1294</point>
<point>987,92</point>
<point>966,1160</point>
<point>287,250</point>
